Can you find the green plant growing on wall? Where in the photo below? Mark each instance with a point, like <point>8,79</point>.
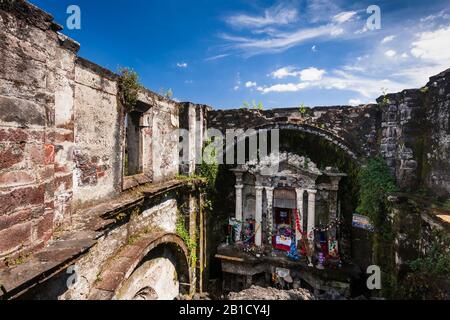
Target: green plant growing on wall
<point>447,204</point>
<point>253,105</point>
<point>376,183</point>
<point>190,243</point>
<point>436,260</point>
<point>429,270</point>
<point>169,94</point>
<point>385,101</point>
<point>129,88</point>
<point>424,90</point>
<point>208,169</point>
<point>303,110</point>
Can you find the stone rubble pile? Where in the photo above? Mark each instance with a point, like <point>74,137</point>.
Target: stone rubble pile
<point>259,293</point>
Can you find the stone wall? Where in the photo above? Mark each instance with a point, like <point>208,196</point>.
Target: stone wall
<point>353,129</point>
<point>62,131</point>
<point>415,138</point>
<point>36,126</point>
<point>97,155</point>
<point>409,129</point>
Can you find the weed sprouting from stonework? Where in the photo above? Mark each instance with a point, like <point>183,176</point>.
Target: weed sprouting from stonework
<point>303,110</point>
<point>129,87</point>
<point>253,105</point>
<point>190,243</point>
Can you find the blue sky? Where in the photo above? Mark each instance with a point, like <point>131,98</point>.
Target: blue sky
<point>280,53</point>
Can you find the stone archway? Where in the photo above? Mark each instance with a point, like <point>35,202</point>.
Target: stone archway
<point>135,272</point>
<point>324,134</point>
<point>353,152</point>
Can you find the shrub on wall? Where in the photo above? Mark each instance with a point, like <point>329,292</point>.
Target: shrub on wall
<point>376,183</point>
<point>129,87</point>
<point>430,271</point>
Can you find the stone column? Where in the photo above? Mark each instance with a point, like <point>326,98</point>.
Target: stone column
<point>238,214</point>
<point>269,195</point>
<point>300,193</point>
<point>333,200</point>
<point>258,215</point>
<point>311,212</point>
<point>333,196</point>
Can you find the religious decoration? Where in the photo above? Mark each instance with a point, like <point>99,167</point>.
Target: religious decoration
<point>293,253</point>
<point>333,248</point>
<point>333,224</point>
<point>248,232</point>
<point>321,259</point>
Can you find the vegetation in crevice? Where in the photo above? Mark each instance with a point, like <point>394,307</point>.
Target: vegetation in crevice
<point>129,88</point>
<point>253,105</point>
<point>190,243</point>
<point>446,205</point>
<point>376,183</point>
<point>429,271</point>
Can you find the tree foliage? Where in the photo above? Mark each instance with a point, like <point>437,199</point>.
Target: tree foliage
<point>376,183</point>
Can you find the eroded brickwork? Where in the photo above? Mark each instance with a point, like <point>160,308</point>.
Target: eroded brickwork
<point>62,131</point>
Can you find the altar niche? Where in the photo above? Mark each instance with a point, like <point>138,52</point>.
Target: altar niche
<point>286,206</point>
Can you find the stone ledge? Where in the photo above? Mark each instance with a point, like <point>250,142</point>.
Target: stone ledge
<point>88,226</point>
<point>30,13</point>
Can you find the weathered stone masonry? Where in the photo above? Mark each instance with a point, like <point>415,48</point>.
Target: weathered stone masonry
<point>409,129</point>
<point>63,194</point>
<point>64,198</point>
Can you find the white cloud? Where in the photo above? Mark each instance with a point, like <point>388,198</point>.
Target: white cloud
<point>314,48</point>
<point>311,74</point>
<point>344,16</point>
<point>283,73</point>
<point>182,65</point>
<point>405,55</point>
<point>388,39</point>
<point>339,80</point>
<point>362,30</point>
<point>281,41</point>
<point>321,10</point>
<point>286,87</point>
<point>433,46</point>
<point>217,57</point>
<point>250,84</point>
<point>337,31</point>
<point>440,15</point>
<point>391,53</point>
<point>277,15</point>
<point>355,102</point>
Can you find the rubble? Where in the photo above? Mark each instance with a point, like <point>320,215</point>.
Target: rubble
<point>259,293</point>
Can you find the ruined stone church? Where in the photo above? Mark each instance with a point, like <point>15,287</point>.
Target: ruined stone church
<point>97,201</point>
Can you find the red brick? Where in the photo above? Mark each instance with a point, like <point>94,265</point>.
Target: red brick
<point>50,136</point>
<point>45,226</point>
<point>64,137</point>
<point>11,155</point>
<point>14,237</point>
<point>13,135</point>
<point>15,178</point>
<point>21,197</point>
<point>7,221</point>
<point>37,136</point>
<point>36,153</point>
<point>60,169</point>
<point>110,281</point>
<point>46,173</point>
<point>49,151</point>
